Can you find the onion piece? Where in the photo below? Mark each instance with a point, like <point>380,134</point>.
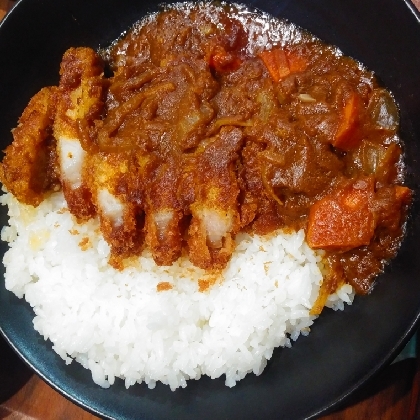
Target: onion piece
<point>268,187</point>
<point>305,97</point>
<point>383,110</point>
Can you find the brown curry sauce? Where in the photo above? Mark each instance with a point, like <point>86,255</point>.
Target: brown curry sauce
<point>204,129</point>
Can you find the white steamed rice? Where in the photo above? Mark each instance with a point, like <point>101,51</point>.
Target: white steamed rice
<point>116,323</point>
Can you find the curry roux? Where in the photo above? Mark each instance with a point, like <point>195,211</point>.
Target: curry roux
<point>210,124</point>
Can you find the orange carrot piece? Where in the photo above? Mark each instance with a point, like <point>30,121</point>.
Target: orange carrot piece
<point>296,62</point>
<point>276,62</point>
<point>343,220</point>
<point>345,135</point>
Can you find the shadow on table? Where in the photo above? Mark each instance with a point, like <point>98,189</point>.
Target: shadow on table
<point>13,372</point>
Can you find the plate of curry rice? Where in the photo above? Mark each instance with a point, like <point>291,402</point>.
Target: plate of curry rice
<point>209,209</point>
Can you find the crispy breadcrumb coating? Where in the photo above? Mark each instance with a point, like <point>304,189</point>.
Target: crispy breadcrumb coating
<point>79,103</point>
<point>29,168</point>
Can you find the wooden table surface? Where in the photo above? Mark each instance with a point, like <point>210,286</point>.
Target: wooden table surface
<point>392,395</point>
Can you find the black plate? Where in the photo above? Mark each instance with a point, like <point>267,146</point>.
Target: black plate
<point>344,349</point>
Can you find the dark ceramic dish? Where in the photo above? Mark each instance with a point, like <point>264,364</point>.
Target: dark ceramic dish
<point>344,349</point>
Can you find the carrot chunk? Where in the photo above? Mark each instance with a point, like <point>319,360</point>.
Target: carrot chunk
<point>343,220</point>
<point>276,62</point>
<point>345,135</point>
<point>281,63</point>
<point>296,62</point>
